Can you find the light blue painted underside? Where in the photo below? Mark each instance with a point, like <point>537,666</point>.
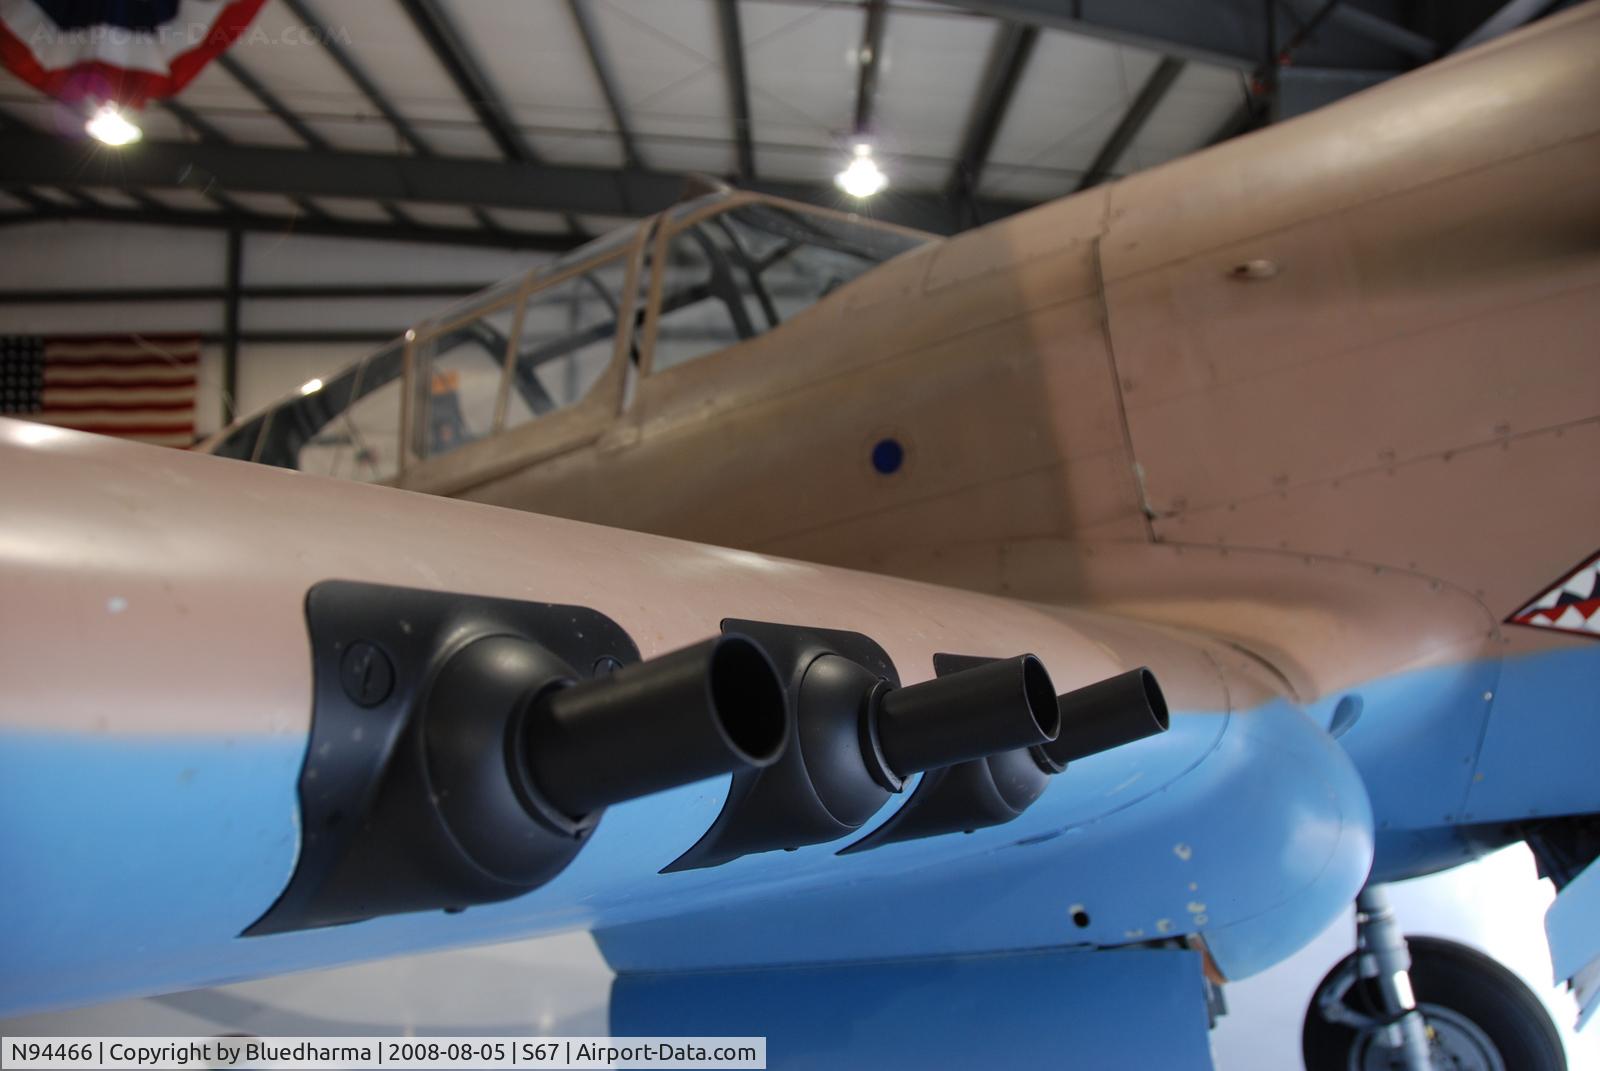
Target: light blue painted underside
<point>1130,1008</point>
<point>132,864</point>
<point>1481,741</point>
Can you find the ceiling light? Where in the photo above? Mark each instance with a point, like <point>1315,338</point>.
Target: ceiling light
<point>311,386</point>
<point>862,178</point>
<point>110,126</point>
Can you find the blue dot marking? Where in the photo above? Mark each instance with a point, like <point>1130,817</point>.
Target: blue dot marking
<point>888,455</point>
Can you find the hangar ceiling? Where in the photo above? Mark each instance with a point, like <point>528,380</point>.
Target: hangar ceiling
<point>538,123</point>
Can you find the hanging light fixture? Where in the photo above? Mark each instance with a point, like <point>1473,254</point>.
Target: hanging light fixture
<point>110,126</point>
<point>862,177</point>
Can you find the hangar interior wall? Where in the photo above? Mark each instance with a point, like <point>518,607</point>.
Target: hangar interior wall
<point>83,256</point>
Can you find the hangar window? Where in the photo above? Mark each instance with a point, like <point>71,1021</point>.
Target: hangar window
<point>742,272</point>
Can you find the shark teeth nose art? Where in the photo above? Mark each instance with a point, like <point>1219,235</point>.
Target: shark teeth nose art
<point>1571,604</point>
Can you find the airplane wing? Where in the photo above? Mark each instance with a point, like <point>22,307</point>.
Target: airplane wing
<point>245,710</point>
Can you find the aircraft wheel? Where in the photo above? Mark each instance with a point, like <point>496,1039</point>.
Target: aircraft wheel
<point>1480,1017</point>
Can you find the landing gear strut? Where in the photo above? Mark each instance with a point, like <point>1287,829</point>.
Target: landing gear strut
<point>1421,1004</point>
<point>1383,959</point>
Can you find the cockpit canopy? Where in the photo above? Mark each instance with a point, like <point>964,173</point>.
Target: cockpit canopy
<point>706,275</point>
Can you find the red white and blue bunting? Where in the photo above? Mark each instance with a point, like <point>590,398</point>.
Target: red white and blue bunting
<point>121,51</point>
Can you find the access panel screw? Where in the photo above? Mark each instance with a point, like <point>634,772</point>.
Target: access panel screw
<point>366,674</point>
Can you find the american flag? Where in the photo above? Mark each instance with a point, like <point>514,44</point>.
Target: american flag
<point>132,386</point>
